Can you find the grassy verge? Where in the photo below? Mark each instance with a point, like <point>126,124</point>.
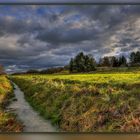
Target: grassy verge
<point>8,121</point>
<point>86,102</point>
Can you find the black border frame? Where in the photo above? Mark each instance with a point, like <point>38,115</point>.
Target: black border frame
<point>67,3</point>
<point>77,2</point>
<point>70,4</point>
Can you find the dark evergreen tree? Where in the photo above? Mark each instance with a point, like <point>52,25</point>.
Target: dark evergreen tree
<point>132,58</point>
<point>71,65</point>
<point>82,63</point>
<point>100,62</point>
<point>135,58</point>
<point>105,62</point>
<point>122,61</point>
<point>90,63</point>
<point>114,61</point>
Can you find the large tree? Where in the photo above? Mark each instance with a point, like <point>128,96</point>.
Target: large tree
<point>104,62</point>
<point>114,61</point>
<point>122,61</point>
<point>135,58</point>
<point>132,57</point>
<point>71,65</point>
<point>90,63</point>
<point>82,63</point>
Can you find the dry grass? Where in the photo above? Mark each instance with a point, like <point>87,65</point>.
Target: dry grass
<point>101,102</point>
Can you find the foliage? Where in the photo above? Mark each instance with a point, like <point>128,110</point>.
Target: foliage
<point>135,58</point>
<point>82,63</point>
<point>32,71</point>
<point>112,61</point>
<point>122,61</point>
<point>52,70</point>
<point>105,61</point>
<point>45,71</point>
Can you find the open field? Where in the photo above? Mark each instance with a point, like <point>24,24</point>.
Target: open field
<point>8,122</point>
<point>100,102</point>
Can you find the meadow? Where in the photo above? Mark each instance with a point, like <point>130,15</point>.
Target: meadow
<point>8,120</point>
<point>98,102</point>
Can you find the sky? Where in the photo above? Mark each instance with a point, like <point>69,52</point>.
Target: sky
<point>43,36</point>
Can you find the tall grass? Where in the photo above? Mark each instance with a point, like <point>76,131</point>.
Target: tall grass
<point>100,102</point>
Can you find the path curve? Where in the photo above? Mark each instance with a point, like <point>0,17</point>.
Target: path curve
<point>32,121</point>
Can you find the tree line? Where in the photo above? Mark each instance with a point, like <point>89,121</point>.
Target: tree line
<point>87,63</point>
<point>47,71</point>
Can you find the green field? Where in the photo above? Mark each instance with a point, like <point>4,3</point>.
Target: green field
<point>8,121</point>
<point>99,102</point>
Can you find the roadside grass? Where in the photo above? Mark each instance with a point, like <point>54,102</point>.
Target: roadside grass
<point>8,121</point>
<point>100,102</point>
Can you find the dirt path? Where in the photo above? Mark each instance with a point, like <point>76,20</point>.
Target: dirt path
<point>31,119</point>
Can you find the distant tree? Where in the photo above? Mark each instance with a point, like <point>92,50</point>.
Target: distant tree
<point>71,65</point>
<point>32,71</point>
<point>132,58</point>
<point>52,70</point>
<point>104,62</point>
<point>66,67</point>
<point>114,61</point>
<point>122,61</point>
<point>135,58</point>
<point>82,63</point>
<point>90,63</point>
<point>100,62</point>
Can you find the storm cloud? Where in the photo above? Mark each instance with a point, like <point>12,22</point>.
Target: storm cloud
<point>45,36</point>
